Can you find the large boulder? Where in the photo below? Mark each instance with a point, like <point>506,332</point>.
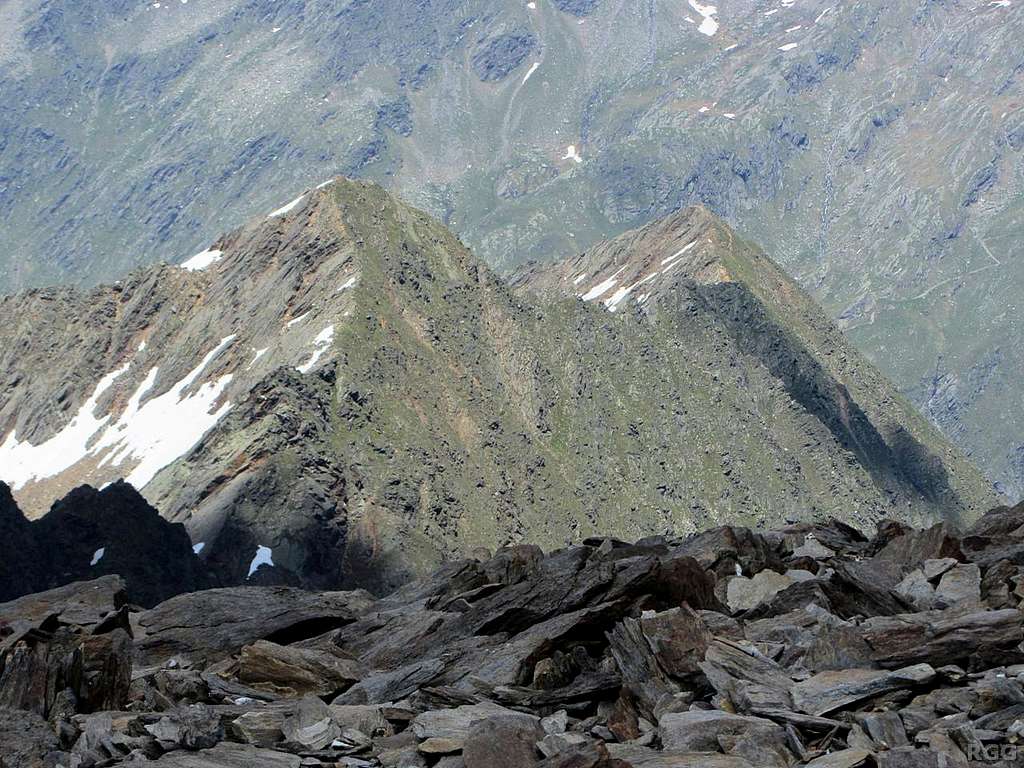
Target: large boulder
<point>293,671</point>
<point>503,741</point>
<point>211,625</point>
<point>66,650</point>
<point>713,731</point>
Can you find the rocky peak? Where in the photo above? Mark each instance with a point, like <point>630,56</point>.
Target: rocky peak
<point>341,393</point>
<point>149,364</point>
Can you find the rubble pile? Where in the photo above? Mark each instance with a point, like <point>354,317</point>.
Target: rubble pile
<point>812,645</point>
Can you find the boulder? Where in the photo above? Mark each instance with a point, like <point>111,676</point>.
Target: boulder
<point>1001,521</point>
<point>713,731</point>
<point>228,755</point>
<point>259,727</point>
<point>193,727</point>
<point>642,757</point>
<point>941,637</point>
<point>745,594</point>
<point>959,587</point>
<point>311,726</point>
<point>843,758</point>
<point>81,604</point>
<point>455,723</point>
<point>503,741</point>
<point>294,672</point>
<point>833,690</point>
<point>209,626</point>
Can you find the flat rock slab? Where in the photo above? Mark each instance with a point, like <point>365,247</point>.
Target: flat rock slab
<point>212,625</point>
<point>644,757</point>
<point>293,672</point>
<point>832,690</point>
<point>844,758</point>
<point>229,755</point>
<point>960,586</point>
<point>700,731</point>
<point>455,723</point>
<point>744,594</point>
<point>82,603</point>
<point>940,637</point>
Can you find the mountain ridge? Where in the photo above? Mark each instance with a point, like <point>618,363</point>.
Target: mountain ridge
<point>366,397</point>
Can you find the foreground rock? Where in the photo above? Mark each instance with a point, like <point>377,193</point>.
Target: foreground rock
<point>730,649</point>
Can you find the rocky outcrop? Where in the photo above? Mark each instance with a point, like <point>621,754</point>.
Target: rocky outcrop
<point>601,655</point>
<point>90,533</point>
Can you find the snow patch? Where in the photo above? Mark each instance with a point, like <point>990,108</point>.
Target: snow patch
<point>709,26</point>
<point>347,284</point>
<point>258,354</point>
<point>321,344</point>
<point>166,427</point>
<point>532,70</point>
<point>324,184</point>
<point>202,260</point>
<point>97,556</point>
<point>686,248</point>
<point>572,154</point>
<point>264,556</point>
<point>603,287</point>
<point>297,320</point>
<point>287,208</point>
<point>21,463</point>
<point>199,547</point>
<point>579,279</point>
<point>613,303</point>
<point>788,46</point>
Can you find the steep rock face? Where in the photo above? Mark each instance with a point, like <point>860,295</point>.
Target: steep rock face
<point>89,534</point>
<point>378,399</point>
